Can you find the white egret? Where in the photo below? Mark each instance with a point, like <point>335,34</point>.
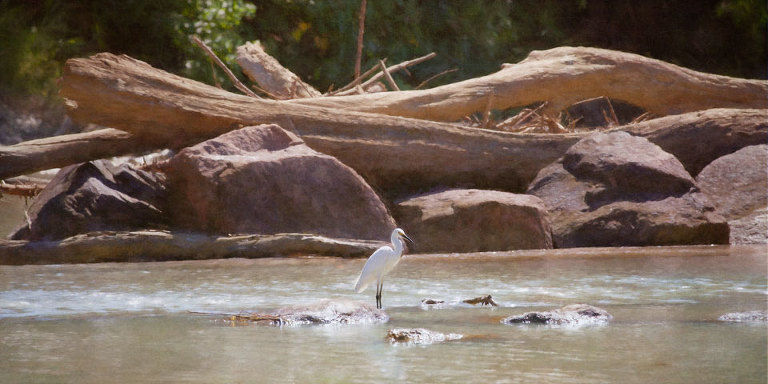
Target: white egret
<point>380,263</point>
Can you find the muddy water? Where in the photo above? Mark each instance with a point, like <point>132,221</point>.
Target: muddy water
<point>132,322</point>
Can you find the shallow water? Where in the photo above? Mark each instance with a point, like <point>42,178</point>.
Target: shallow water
<point>132,322</point>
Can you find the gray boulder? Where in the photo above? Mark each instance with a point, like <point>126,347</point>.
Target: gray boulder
<point>96,196</point>
<point>471,220</point>
<point>614,189</point>
<point>570,315</point>
<point>265,180</point>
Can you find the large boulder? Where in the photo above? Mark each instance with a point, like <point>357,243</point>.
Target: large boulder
<point>737,185</point>
<point>96,196</point>
<point>614,189</point>
<point>265,180</point>
<point>470,220</point>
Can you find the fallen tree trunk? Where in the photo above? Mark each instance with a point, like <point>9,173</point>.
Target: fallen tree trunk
<point>698,138</point>
<point>390,152</point>
<point>563,76</point>
<point>165,246</point>
<point>59,151</point>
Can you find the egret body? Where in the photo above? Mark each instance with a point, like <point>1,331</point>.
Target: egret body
<point>380,263</point>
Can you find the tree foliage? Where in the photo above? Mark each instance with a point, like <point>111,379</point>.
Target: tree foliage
<point>316,38</point>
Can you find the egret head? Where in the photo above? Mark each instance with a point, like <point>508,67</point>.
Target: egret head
<point>401,234</point>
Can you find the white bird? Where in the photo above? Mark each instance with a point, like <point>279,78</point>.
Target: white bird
<point>380,263</point>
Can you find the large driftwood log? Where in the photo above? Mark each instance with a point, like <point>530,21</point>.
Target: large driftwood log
<point>563,76</point>
<point>128,94</point>
<point>164,246</point>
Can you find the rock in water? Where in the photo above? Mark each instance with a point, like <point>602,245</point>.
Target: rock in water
<point>419,336</point>
<point>473,220</point>
<point>96,196</point>
<point>614,189</point>
<point>327,312</point>
<point>745,317</point>
<point>570,315</point>
<point>265,180</point>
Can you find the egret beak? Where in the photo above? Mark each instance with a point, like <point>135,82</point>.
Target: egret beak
<point>405,237</point>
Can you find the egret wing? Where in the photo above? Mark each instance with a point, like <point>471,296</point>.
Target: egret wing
<point>373,268</point>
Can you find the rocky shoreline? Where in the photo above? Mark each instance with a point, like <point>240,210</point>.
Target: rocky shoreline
<point>608,189</point>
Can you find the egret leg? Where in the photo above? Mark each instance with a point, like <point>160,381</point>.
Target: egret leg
<point>379,286</point>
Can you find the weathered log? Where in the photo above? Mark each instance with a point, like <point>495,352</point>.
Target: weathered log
<point>698,138</point>
<point>165,246</point>
<point>270,75</point>
<point>58,151</point>
<point>390,152</point>
<point>563,76</point>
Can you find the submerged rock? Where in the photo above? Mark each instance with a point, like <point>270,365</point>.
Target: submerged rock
<point>325,311</point>
<point>613,189</point>
<point>570,315</point>
<point>745,317</point>
<point>265,180</point>
<point>473,220</point>
<point>419,336</point>
<point>96,196</point>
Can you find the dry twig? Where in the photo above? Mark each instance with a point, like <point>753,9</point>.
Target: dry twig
<point>391,70</point>
<point>357,80</point>
<point>423,83</point>
<point>387,76</point>
<point>220,63</point>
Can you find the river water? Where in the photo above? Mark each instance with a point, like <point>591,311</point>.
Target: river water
<point>129,323</point>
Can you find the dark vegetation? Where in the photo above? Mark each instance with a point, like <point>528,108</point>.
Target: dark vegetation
<point>317,39</point>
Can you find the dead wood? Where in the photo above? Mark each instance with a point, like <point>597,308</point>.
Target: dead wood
<point>221,65</point>
<point>22,186</point>
<point>698,138</point>
<point>165,246</point>
<point>270,75</point>
<point>59,151</point>
<point>563,76</point>
<point>128,94</point>
<point>360,32</point>
<point>390,70</point>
